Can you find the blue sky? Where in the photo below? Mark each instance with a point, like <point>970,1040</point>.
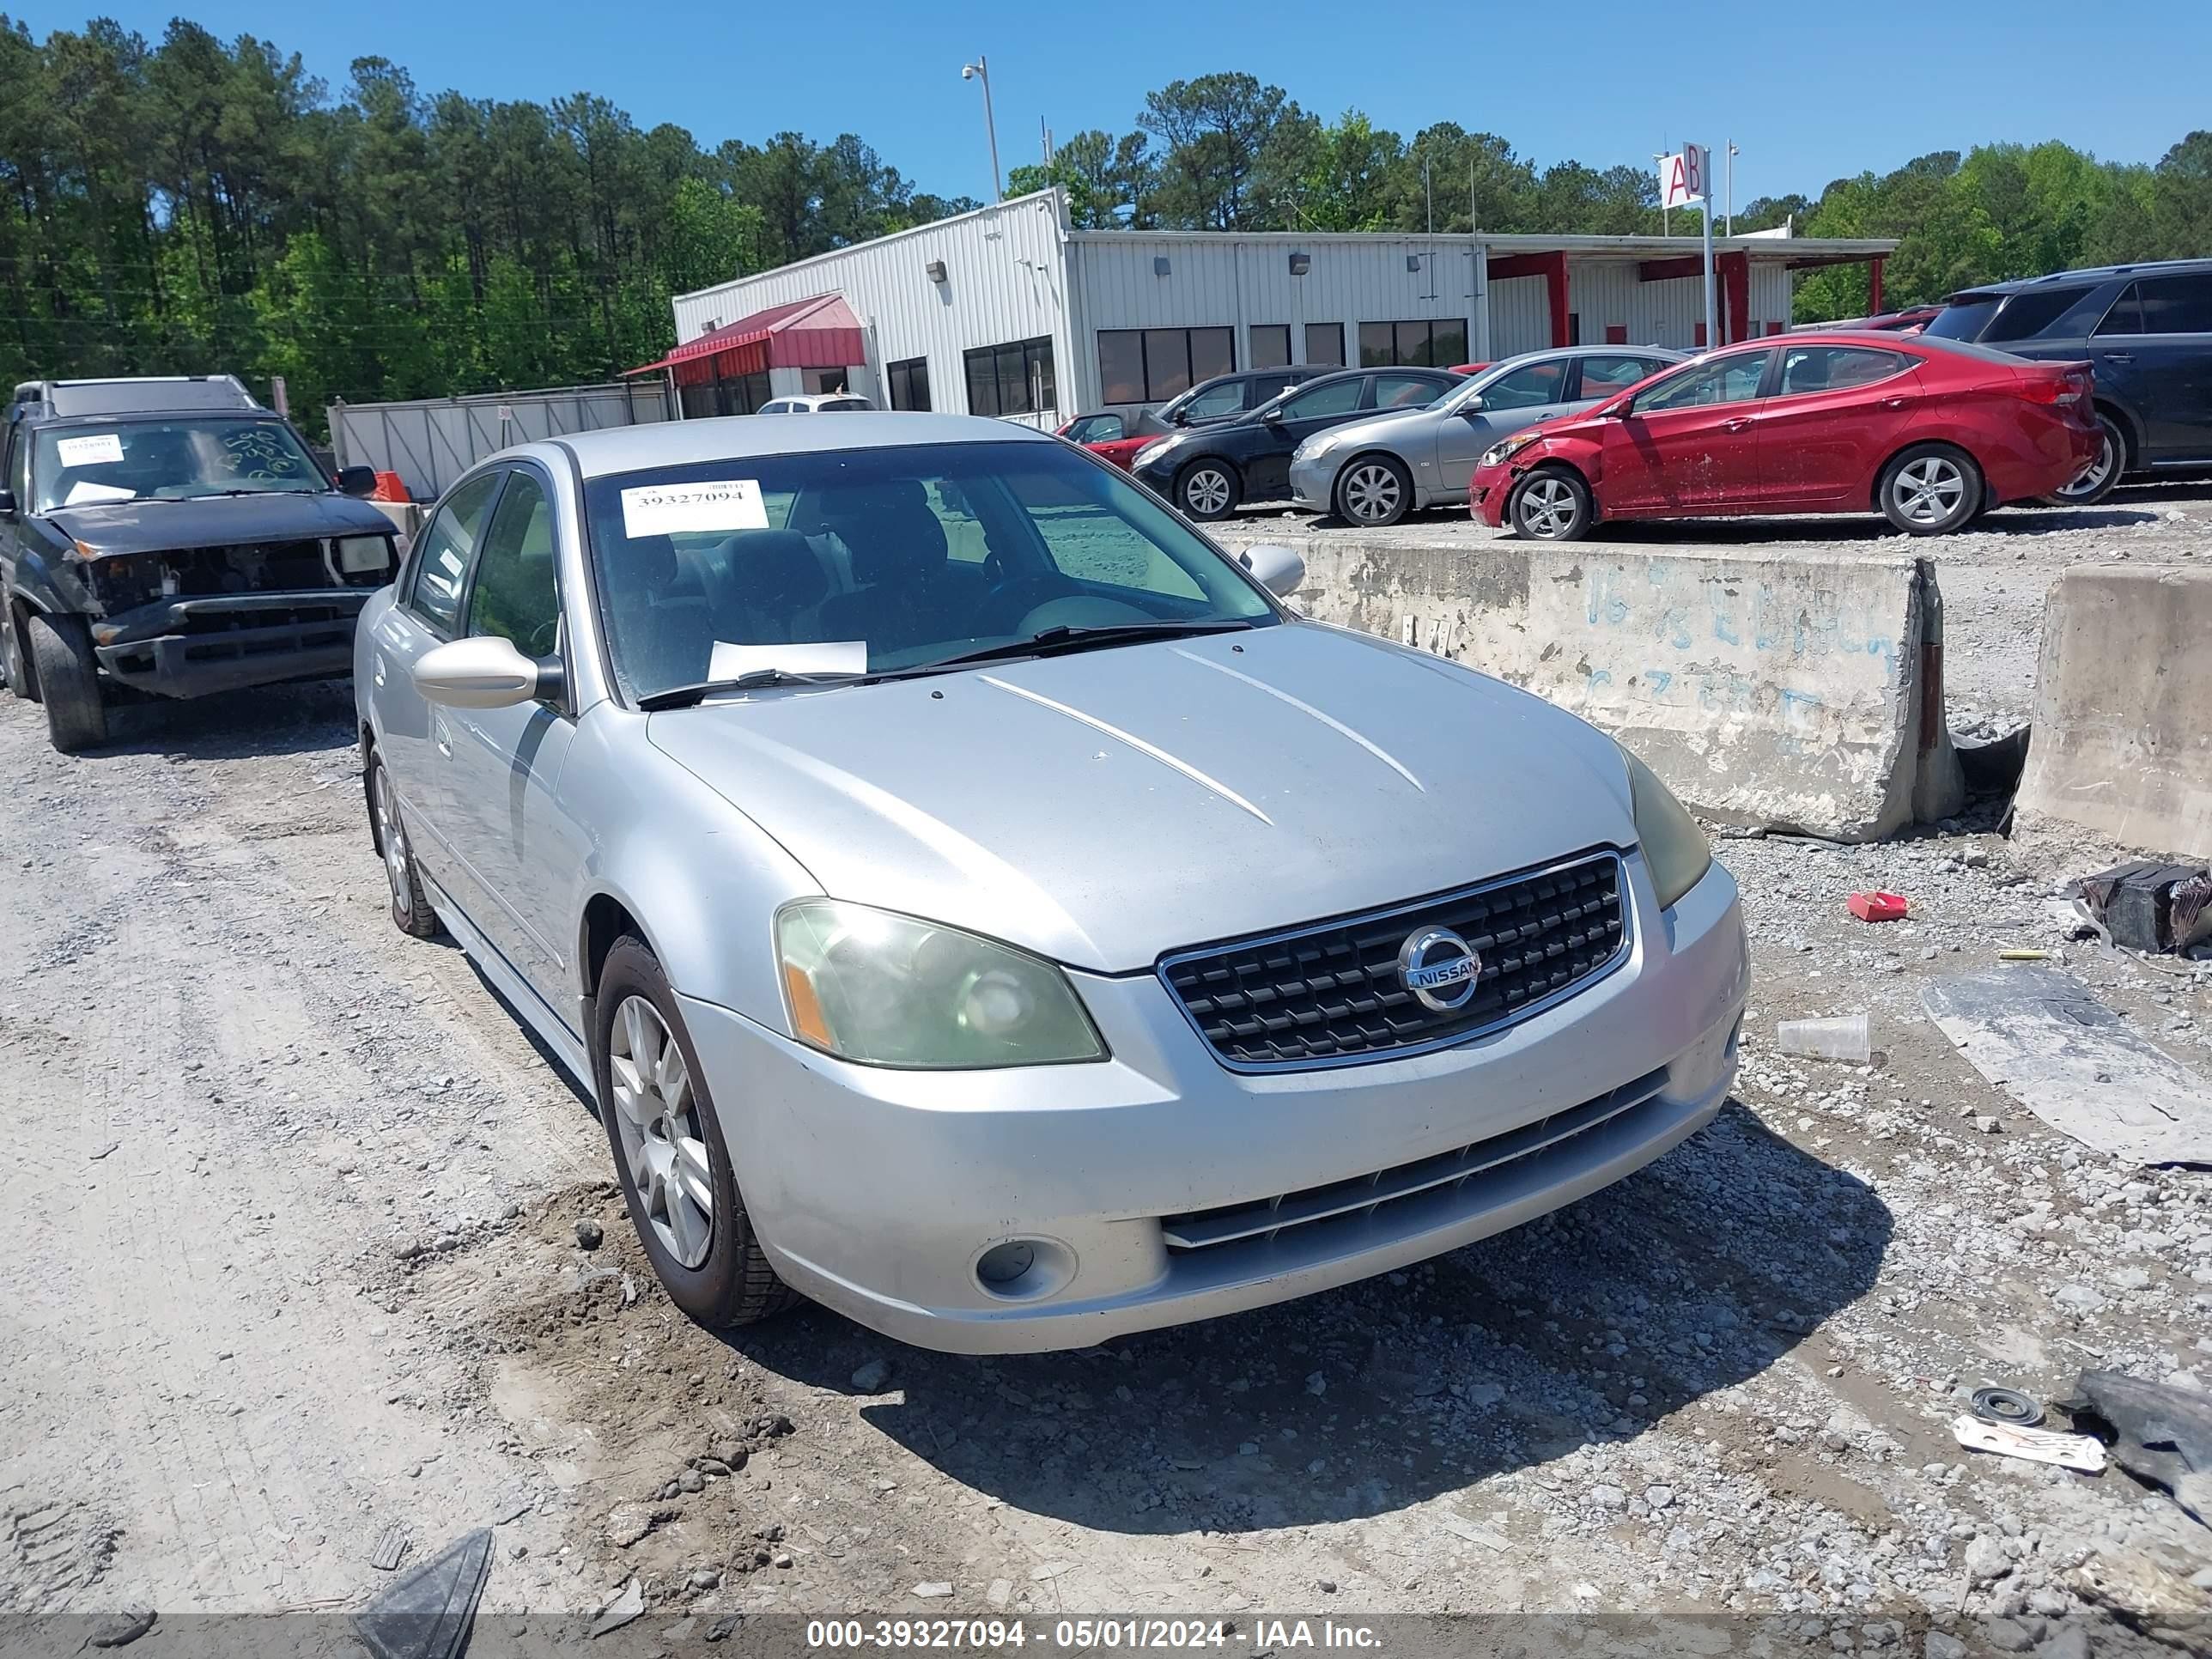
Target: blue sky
<point>1601,80</point>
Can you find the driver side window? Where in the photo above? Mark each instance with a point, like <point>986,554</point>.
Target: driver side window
<point>1722,380</point>
<point>516,596</point>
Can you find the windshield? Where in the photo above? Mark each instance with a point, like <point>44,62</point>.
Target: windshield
<point>869,561</point>
<point>1964,320</point>
<point>168,460</point>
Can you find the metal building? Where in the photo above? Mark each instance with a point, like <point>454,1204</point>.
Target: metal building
<point>1007,311</point>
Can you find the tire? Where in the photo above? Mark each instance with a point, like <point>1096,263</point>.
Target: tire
<point>1552,504</point>
<point>68,681</point>
<point>2101,480</point>
<point>724,1279</point>
<point>1207,489</point>
<point>1373,491</point>
<point>1929,489</point>
<point>410,905</point>
<point>11,655</point>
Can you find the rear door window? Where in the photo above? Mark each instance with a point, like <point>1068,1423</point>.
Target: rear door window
<point>2126,315</point>
<point>1532,386</point>
<point>2176,305</point>
<point>2031,311</point>
<point>1836,368</point>
<point>442,555</point>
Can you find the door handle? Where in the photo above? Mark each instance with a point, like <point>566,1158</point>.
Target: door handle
<point>442,737</point>
<point>1736,425</point>
<point>1896,403</point>
<point>2118,356</point>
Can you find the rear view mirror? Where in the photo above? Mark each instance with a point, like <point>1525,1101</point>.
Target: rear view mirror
<point>483,672</point>
<point>1275,568</point>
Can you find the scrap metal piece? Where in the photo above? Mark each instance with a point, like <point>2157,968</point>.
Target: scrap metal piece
<point>2043,1038</point>
<point>391,1545</point>
<point>2072,1451</point>
<point>428,1614</point>
<point>2162,1435</point>
<point>2009,1406</point>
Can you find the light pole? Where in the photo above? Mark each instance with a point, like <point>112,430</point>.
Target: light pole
<point>980,70</point>
<point>1663,230</point>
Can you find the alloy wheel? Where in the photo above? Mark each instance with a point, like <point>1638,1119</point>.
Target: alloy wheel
<point>1372,493</point>
<point>1548,505</point>
<point>2090,484</point>
<point>663,1141</point>
<point>1206,491</point>
<point>1929,489</point>
<point>393,840</point>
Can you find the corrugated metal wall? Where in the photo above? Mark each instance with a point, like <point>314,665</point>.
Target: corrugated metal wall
<point>432,442</point>
<point>1004,283</point>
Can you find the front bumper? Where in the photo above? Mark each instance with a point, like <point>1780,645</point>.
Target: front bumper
<point>190,647</point>
<point>878,1192</point>
<point>1313,483</point>
<point>1486,494</point>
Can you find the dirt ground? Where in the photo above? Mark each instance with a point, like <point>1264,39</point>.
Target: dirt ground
<point>293,1205</point>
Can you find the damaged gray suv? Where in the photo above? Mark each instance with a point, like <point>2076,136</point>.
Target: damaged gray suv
<point>975,901</point>
<point>171,537</point>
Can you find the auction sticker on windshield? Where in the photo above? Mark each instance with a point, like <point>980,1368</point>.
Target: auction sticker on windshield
<point>677,509</point>
<point>89,451</point>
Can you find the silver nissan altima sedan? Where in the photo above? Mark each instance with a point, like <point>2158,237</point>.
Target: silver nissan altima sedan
<point>975,902</point>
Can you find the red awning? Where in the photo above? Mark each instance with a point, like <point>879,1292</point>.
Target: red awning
<point>818,333</point>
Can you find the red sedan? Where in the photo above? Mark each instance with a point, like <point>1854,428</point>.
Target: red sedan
<point>1925,431</point>
<point>1106,437</point>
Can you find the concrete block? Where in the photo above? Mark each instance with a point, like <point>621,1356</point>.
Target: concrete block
<point>2123,735</point>
<point>1799,694</point>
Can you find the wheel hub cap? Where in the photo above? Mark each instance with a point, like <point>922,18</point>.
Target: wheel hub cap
<point>663,1141</point>
<point>1547,507</point>
<point>1208,491</point>
<point>393,840</point>
<point>2095,477</point>
<point>1928,490</point>
<point>1371,493</point>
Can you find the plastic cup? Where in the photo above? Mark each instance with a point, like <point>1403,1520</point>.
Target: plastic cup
<point>1842,1038</point>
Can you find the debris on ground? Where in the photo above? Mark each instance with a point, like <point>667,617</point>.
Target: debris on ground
<point>2043,1038</point>
<point>629,1606</point>
<point>2160,1434</point>
<point>2150,906</point>
<point>2074,1451</point>
<point>120,1630</point>
<point>391,1546</point>
<point>2009,1406</point>
<point>589,1233</point>
<point>1879,906</point>
<point>428,1614</point>
<point>1843,1038</point>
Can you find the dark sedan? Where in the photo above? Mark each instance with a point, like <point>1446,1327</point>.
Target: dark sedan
<point>1208,471</point>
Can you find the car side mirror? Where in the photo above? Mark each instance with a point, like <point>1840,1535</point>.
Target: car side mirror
<point>483,672</point>
<point>7,503</point>
<point>357,480</point>
<point>1272,416</point>
<point>1470,409</point>
<point>1274,566</point>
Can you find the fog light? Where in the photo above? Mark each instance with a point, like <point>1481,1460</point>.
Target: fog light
<point>1022,1269</point>
<point>1002,1264</point>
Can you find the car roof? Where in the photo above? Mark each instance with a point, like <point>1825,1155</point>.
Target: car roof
<point>2088,274</point>
<point>737,437</point>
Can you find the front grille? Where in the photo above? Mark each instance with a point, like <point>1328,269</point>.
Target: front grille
<point>1330,994</point>
<point>1441,1182</point>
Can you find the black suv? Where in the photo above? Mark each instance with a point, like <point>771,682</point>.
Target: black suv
<point>173,536</point>
<point>1208,471</point>
<point>2147,332</point>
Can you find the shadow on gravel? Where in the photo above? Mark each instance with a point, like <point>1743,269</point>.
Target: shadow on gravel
<point>1588,1325</point>
<point>1866,527</point>
<point>269,720</point>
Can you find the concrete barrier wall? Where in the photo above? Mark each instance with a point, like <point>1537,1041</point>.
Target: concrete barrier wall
<point>1801,694</point>
<point>2123,736</point>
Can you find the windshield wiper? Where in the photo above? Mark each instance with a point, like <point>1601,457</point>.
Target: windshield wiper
<point>683,696</point>
<point>1058,641</point>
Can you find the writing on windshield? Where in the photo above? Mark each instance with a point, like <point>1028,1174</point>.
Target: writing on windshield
<point>169,460</point>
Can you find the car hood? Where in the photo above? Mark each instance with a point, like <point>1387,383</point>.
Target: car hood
<point>1103,808</point>
<point>155,526</point>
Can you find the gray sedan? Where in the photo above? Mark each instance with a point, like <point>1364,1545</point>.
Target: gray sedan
<point>1373,472</point>
<point>973,901</point>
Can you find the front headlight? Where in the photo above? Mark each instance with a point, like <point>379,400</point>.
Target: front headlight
<point>1675,848</point>
<point>363,556</point>
<point>884,989</point>
<point>1157,447</point>
<point>1505,448</point>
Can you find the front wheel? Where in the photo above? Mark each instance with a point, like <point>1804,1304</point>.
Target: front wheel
<point>1929,489</point>
<point>411,906</point>
<point>2104,474</point>
<point>68,681</point>
<point>669,1154</point>
<point>1207,489</point>
<point>1374,491</point>
<point>1551,504</point>
<point>11,655</point>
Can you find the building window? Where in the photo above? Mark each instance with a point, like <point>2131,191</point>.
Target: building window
<point>1438,344</point>
<point>1325,343</point>
<point>1270,345</point>
<point>1151,365</point>
<point>1010,380</point>
<point>909,379</point>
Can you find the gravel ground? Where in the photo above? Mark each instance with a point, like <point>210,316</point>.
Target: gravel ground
<point>297,1256</point>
